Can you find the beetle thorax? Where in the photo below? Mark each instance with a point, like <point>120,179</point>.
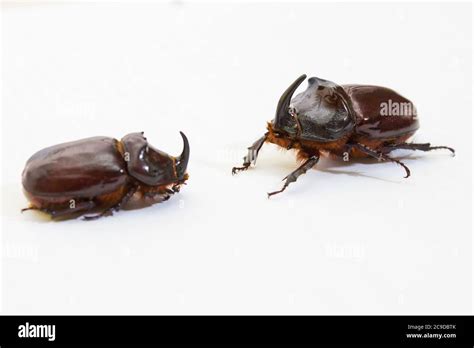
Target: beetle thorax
<point>320,113</point>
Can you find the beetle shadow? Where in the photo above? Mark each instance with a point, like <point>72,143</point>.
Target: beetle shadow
<point>329,165</point>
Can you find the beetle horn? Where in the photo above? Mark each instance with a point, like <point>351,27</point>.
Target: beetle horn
<point>285,99</point>
<point>182,160</point>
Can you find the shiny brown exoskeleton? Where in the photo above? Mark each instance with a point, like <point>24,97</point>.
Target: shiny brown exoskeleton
<point>99,175</point>
<point>348,121</point>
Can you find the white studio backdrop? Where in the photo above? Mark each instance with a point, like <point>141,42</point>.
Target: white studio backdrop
<point>347,238</point>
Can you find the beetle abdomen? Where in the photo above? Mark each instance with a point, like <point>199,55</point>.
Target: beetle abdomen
<point>83,168</point>
<point>381,113</point>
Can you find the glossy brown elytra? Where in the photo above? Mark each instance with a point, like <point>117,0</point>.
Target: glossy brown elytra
<point>99,175</point>
<point>347,121</point>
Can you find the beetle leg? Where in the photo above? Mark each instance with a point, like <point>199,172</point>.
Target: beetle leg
<point>126,198</point>
<point>30,208</point>
<point>109,211</point>
<point>252,155</point>
<point>177,186</point>
<point>63,212</point>
<point>380,156</point>
<point>293,176</point>
<point>414,146</point>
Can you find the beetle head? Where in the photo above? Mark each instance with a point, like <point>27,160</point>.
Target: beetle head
<point>323,112</point>
<point>152,166</point>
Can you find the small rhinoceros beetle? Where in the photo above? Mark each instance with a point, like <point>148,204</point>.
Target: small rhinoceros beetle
<point>348,121</point>
<point>98,175</point>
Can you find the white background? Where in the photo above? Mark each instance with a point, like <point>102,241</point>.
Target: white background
<point>351,238</point>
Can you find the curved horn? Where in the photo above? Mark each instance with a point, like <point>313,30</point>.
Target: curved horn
<point>182,160</point>
<point>285,99</point>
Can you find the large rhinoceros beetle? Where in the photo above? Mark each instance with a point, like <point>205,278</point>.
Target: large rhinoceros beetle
<point>100,174</point>
<point>347,121</point>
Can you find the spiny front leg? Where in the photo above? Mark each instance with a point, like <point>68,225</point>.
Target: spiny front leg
<point>252,155</point>
<point>293,176</point>
<point>380,156</point>
<point>414,146</point>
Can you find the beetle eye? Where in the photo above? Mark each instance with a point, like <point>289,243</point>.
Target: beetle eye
<point>292,111</point>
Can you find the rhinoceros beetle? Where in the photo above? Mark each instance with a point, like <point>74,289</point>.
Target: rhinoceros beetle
<point>347,121</point>
<point>100,174</point>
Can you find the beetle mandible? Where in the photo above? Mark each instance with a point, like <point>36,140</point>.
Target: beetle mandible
<point>100,174</point>
<point>348,121</point>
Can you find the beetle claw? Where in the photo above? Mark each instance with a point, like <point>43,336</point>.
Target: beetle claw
<point>236,170</point>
